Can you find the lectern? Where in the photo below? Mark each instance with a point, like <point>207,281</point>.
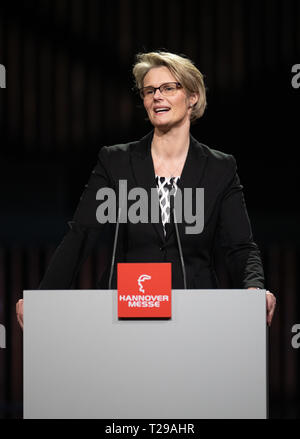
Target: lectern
<point>209,361</point>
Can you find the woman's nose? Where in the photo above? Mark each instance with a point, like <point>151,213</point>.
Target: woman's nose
<point>159,94</point>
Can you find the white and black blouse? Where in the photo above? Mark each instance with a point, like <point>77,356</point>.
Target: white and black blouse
<point>164,186</point>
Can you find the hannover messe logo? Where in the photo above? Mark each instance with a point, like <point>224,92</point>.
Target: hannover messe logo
<point>141,279</point>
<point>134,301</point>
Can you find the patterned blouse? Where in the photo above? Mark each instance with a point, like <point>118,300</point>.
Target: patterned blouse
<point>164,186</point>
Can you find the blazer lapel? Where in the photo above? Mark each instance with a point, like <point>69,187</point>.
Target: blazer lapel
<point>144,175</point>
<point>194,166</point>
<point>192,174</point>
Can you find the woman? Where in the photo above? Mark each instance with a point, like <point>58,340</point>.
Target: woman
<point>167,159</point>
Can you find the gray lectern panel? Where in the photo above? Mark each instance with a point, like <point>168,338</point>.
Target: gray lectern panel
<point>208,361</point>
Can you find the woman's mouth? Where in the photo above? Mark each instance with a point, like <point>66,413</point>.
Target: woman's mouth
<point>161,110</point>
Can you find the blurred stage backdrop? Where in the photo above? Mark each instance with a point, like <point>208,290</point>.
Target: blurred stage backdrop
<point>69,91</point>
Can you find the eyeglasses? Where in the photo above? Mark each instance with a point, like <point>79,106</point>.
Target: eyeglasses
<point>167,89</point>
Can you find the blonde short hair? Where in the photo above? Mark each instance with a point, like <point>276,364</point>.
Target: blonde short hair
<point>183,70</point>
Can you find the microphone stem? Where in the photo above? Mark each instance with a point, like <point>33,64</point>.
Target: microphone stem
<point>180,249</point>
<point>114,250</point>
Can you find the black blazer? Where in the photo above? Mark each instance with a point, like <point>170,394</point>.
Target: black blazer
<point>226,222</point>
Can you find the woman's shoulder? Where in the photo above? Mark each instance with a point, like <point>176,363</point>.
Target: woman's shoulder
<point>115,155</point>
<point>138,146</point>
<point>215,157</point>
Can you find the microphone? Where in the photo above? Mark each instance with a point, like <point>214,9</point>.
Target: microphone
<point>180,250</point>
<point>172,208</point>
<point>114,249</point>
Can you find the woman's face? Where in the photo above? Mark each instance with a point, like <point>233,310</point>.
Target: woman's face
<point>166,112</point>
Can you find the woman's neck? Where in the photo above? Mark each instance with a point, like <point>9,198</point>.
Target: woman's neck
<point>172,144</point>
<point>169,151</point>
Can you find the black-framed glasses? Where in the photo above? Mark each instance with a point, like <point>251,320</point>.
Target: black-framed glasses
<point>166,89</point>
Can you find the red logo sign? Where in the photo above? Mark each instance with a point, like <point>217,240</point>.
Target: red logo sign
<point>144,290</point>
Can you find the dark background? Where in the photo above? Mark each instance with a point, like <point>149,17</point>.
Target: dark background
<point>69,92</point>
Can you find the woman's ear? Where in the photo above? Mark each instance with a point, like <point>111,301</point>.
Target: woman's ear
<point>193,99</point>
